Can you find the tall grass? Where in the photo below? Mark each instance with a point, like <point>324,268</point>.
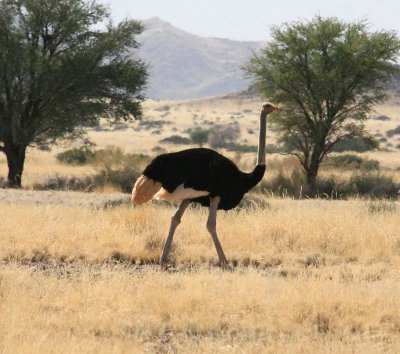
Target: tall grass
<point>311,276</point>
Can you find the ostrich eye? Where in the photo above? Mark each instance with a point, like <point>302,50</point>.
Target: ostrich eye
<point>268,105</point>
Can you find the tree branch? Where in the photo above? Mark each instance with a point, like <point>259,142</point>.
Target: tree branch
<point>302,162</point>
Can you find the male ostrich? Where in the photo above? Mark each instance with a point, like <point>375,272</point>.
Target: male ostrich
<point>203,176</point>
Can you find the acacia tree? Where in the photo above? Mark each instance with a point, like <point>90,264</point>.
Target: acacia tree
<point>59,72</point>
<point>329,74</point>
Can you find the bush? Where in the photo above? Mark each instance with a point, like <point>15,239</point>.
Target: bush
<point>370,165</point>
<point>393,132</point>
<point>356,144</point>
<point>164,108</point>
<point>382,117</point>
<point>241,147</point>
<point>118,169</point>
<point>360,184</point>
<point>221,135</point>
<point>150,124</point>
<point>285,185</point>
<point>353,161</point>
<point>158,150</point>
<point>114,167</point>
<point>199,136</point>
<point>175,139</point>
<point>120,126</point>
<point>374,185</point>
<point>345,160</point>
<point>67,183</point>
<point>76,156</point>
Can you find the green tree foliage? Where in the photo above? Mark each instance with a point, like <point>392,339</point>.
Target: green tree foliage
<point>76,156</point>
<point>199,136</point>
<point>329,75</point>
<point>63,64</point>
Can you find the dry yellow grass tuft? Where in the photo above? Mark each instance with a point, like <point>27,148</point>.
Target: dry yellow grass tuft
<point>309,276</point>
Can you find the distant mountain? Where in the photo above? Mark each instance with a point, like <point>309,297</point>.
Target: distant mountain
<point>186,66</point>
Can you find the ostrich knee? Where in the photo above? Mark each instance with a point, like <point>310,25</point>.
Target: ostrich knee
<point>175,221</point>
<point>211,226</point>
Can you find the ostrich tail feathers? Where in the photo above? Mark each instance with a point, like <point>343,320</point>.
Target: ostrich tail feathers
<point>144,189</point>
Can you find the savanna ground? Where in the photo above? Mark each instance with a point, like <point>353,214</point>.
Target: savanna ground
<point>78,271</point>
<point>163,119</point>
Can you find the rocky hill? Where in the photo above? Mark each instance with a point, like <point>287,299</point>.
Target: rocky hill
<point>186,66</point>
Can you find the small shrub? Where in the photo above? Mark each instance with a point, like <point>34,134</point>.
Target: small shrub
<point>382,117</point>
<point>285,184</point>
<point>345,160</point>
<point>241,147</point>
<point>199,136</point>
<point>76,156</point>
<point>353,161</point>
<point>176,139</point>
<point>67,183</point>
<point>114,168</point>
<point>356,144</point>
<point>154,124</point>
<point>370,165</point>
<point>158,150</point>
<point>120,126</point>
<point>360,184</point>
<point>118,169</point>
<point>163,108</point>
<point>374,185</point>
<point>221,135</point>
<point>393,132</point>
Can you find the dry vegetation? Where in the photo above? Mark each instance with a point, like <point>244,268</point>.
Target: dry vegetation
<point>78,271</point>
<point>308,276</point>
<point>164,119</point>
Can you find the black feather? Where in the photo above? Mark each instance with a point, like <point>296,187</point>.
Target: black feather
<point>204,170</point>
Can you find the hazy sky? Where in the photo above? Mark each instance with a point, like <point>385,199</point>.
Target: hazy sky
<point>251,19</point>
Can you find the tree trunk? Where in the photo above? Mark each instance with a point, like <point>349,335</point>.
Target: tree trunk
<point>311,187</point>
<point>311,178</point>
<point>15,160</point>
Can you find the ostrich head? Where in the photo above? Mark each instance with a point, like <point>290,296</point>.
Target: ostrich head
<point>269,108</point>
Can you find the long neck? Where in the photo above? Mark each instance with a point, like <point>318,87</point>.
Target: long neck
<point>261,139</point>
<point>256,176</point>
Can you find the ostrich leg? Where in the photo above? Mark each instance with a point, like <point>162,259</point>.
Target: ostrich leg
<point>175,221</point>
<point>211,227</point>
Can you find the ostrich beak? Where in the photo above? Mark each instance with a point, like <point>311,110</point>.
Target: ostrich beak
<point>277,108</point>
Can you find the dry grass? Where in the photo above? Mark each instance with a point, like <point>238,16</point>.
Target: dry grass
<point>307,276</point>
<point>40,165</point>
<point>310,276</point>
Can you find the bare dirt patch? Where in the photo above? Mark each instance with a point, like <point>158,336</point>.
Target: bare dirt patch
<point>75,199</point>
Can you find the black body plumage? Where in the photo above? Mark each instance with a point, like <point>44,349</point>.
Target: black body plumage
<point>204,170</point>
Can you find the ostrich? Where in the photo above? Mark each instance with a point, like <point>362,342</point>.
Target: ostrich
<point>203,176</point>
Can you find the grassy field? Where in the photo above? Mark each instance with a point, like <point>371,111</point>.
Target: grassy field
<point>79,273</point>
<point>307,276</point>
